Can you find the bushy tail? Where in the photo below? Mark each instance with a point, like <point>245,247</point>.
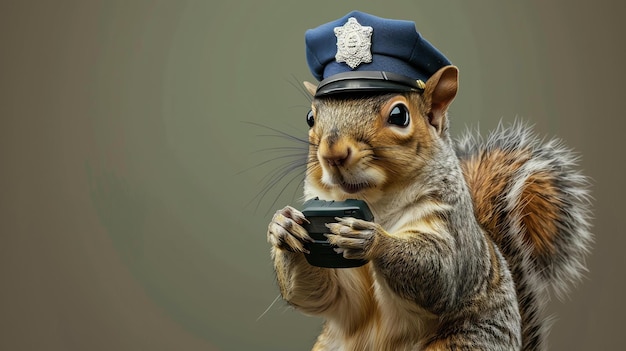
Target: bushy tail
<point>535,204</point>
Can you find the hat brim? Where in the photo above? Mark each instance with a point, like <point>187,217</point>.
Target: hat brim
<point>367,81</point>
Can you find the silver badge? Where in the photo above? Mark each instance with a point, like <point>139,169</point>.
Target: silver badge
<point>354,42</point>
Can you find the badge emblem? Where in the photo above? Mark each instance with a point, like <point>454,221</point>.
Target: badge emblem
<point>354,43</point>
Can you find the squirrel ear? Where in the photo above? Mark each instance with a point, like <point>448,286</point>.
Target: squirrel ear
<point>310,87</point>
<point>439,92</point>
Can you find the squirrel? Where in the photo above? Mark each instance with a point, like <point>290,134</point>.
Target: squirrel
<point>470,235</point>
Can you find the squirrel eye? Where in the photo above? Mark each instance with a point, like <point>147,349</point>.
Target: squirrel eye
<point>310,120</point>
<point>399,116</point>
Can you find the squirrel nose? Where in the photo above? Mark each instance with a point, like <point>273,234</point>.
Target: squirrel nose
<point>336,155</point>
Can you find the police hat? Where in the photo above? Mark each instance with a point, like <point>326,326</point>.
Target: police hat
<point>362,52</point>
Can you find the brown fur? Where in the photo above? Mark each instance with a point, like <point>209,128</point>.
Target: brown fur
<point>540,198</point>
<point>488,176</point>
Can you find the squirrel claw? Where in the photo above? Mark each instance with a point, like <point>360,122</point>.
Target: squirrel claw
<point>285,230</point>
<point>354,237</point>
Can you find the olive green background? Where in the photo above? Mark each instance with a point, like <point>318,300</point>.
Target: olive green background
<point>129,215</point>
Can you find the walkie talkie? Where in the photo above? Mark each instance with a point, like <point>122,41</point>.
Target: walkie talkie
<point>320,212</point>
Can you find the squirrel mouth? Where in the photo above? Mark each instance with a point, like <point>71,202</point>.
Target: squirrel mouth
<point>351,188</point>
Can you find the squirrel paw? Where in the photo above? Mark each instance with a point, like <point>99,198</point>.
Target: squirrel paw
<point>353,237</point>
<point>286,232</point>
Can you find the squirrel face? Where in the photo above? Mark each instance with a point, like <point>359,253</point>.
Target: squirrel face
<point>364,146</point>
<point>360,146</point>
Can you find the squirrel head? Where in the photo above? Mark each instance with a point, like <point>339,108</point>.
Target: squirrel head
<point>367,145</point>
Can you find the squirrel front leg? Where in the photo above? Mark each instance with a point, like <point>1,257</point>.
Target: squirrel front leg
<point>308,288</point>
<point>416,266</point>
<point>463,281</point>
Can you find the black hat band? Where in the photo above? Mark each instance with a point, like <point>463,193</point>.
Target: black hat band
<point>367,81</point>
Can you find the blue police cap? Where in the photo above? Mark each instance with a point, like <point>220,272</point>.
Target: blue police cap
<point>362,52</point>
